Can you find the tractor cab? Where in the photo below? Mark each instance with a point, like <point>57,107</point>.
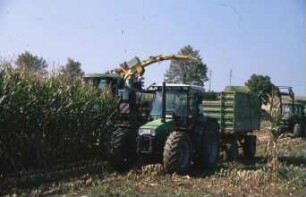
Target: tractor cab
<point>180,102</point>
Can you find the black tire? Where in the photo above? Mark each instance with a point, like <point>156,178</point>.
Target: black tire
<point>210,147</point>
<point>278,131</point>
<point>123,149</point>
<point>249,147</point>
<point>297,130</point>
<point>231,151</point>
<point>177,153</point>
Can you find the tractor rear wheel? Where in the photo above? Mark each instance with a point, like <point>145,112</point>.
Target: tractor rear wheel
<point>123,149</point>
<point>297,130</point>
<point>249,147</point>
<point>210,150</point>
<point>177,153</point>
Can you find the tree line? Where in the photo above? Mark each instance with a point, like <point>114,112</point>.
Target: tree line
<point>37,65</point>
<point>179,71</point>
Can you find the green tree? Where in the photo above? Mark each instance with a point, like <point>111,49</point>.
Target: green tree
<point>31,63</point>
<point>72,69</point>
<point>187,72</point>
<point>261,84</point>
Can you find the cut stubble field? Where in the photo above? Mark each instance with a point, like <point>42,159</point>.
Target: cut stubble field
<point>241,178</point>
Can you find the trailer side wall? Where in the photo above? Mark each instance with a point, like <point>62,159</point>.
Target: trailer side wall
<point>236,111</point>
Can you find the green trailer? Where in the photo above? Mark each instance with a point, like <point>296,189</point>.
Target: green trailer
<point>238,113</point>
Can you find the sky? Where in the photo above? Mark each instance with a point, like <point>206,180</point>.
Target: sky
<point>245,37</point>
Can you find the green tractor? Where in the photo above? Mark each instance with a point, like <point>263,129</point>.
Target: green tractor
<point>292,112</point>
<point>177,134</point>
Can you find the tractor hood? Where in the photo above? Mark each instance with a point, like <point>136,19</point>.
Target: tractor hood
<point>158,128</point>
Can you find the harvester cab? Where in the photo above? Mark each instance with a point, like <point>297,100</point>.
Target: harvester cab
<point>104,80</point>
<point>116,85</point>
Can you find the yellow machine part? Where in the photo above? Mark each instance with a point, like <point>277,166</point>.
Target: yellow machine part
<point>139,68</point>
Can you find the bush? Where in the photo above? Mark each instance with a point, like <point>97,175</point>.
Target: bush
<point>49,120</point>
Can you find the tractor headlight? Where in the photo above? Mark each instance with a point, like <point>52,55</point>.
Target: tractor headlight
<point>142,131</point>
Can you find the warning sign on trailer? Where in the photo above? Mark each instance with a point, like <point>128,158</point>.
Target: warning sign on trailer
<point>124,108</point>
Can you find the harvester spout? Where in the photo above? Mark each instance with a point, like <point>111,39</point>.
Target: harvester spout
<point>134,69</point>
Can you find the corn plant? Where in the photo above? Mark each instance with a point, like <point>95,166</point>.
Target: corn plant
<point>274,116</point>
<point>49,120</point>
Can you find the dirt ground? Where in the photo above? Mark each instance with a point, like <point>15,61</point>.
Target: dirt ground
<point>241,178</point>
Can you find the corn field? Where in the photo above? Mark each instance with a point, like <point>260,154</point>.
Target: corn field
<point>50,120</point>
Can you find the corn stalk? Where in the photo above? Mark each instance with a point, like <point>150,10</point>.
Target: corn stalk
<point>50,120</point>
<point>274,116</point>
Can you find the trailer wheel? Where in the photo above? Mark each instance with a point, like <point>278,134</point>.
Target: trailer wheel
<point>249,147</point>
<point>177,153</point>
<point>123,149</point>
<point>231,151</point>
<point>210,149</point>
<point>297,130</point>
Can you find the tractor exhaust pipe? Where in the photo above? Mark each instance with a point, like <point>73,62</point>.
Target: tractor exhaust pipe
<point>163,114</point>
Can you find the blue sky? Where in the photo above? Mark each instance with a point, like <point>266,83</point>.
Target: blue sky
<point>263,37</point>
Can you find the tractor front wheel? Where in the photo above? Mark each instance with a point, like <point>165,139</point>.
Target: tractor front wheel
<point>177,153</point>
<point>123,149</point>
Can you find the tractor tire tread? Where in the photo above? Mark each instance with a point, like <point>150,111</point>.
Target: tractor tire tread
<point>171,152</point>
